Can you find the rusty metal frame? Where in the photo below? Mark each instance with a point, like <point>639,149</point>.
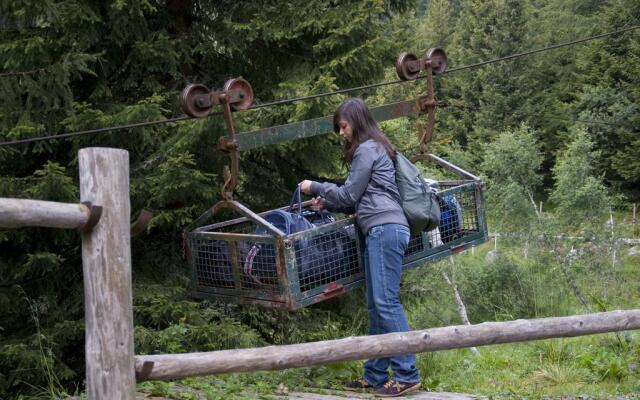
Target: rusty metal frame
<point>288,294</point>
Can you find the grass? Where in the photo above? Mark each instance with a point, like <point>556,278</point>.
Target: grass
<point>557,367</point>
<point>586,366</point>
<point>505,287</point>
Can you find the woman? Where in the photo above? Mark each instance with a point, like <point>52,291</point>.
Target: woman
<point>371,192</point>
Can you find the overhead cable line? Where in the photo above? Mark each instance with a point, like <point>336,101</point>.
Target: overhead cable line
<point>20,73</point>
<point>94,131</point>
<point>495,60</point>
<point>314,96</point>
<point>567,118</point>
<point>540,50</point>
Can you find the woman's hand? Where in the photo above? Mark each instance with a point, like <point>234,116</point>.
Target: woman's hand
<point>305,186</point>
<point>317,203</point>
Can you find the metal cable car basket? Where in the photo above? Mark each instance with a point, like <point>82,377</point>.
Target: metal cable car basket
<point>231,262</point>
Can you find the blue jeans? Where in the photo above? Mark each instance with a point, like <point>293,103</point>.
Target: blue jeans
<point>384,250</point>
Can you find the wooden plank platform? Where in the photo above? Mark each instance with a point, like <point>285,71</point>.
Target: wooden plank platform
<point>322,394</point>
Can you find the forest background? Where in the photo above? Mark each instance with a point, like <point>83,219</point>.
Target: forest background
<point>558,128</point>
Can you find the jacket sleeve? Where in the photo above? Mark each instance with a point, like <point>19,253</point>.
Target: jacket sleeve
<point>347,196</point>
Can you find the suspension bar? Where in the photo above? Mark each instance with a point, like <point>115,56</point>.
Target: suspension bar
<point>317,126</point>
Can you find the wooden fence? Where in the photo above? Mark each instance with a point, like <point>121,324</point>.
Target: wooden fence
<point>112,368</point>
<point>104,221</point>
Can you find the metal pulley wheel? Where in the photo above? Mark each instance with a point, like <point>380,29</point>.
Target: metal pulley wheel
<point>244,96</point>
<point>407,66</point>
<point>438,59</point>
<point>194,100</point>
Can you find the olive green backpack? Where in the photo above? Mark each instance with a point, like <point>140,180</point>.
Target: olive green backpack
<point>419,202</point>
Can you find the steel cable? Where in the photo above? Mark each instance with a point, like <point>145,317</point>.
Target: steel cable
<point>314,96</point>
<point>94,131</point>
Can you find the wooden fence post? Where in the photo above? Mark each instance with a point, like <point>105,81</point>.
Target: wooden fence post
<point>106,267</point>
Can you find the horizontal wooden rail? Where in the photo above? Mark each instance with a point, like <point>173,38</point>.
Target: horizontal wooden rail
<point>19,213</point>
<point>169,366</point>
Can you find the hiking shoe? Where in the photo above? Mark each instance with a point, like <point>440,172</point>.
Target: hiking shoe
<point>394,388</point>
<point>358,384</point>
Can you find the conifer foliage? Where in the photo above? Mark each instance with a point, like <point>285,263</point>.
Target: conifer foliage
<point>560,126</point>
<point>71,65</point>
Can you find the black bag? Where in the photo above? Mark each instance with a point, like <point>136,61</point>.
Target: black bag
<point>325,258</point>
<point>260,262</point>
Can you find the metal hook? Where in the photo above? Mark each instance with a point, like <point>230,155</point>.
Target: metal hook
<point>427,103</point>
<point>141,223</point>
<point>95,212</point>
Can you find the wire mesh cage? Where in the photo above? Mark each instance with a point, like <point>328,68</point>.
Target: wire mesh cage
<point>462,224</point>
<point>245,260</point>
<point>232,262</point>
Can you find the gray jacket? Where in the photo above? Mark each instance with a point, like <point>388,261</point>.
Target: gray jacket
<point>370,189</point>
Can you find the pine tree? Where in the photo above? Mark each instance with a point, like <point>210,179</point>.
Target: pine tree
<point>512,164</point>
<point>490,95</point>
<point>68,65</point>
<point>610,97</point>
<point>552,75</point>
<point>579,194</point>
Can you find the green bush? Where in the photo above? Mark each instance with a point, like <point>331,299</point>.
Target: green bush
<point>497,290</point>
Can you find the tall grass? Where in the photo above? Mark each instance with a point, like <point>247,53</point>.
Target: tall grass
<point>500,285</point>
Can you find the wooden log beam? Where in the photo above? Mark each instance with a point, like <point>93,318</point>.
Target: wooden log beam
<point>106,267</point>
<point>169,366</point>
<point>19,213</point>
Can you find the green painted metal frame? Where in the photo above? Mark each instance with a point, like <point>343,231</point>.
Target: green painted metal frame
<point>455,246</point>
<point>318,126</point>
<point>288,294</point>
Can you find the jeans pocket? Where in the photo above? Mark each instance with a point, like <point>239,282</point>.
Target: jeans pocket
<point>376,231</point>
<point>402,237</point>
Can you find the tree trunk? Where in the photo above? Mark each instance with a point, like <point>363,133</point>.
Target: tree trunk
<point>462,310</point>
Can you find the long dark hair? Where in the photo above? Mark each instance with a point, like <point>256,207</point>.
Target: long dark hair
<point>363,126</point>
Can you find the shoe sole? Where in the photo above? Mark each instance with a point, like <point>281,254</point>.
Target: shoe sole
<point>362,389</point>
<point>407,390</point>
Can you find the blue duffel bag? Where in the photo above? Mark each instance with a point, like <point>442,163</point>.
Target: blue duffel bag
<point>318,258</point>
<point>450,218</point>
<point>260,262</point>
<point>287,221</point>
